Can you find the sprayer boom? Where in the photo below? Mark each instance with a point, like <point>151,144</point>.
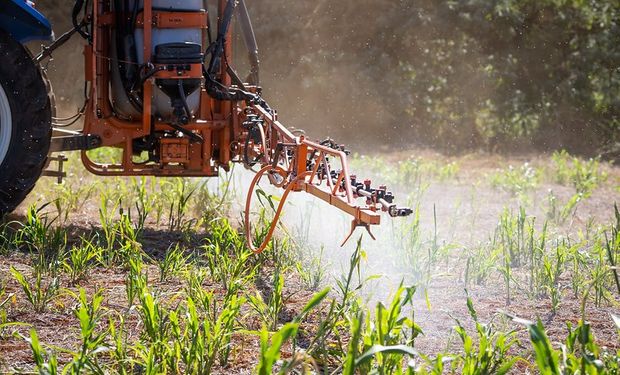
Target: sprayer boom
<point>296,164</point>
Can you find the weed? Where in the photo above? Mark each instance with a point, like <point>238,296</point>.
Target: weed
<point>448,171</point>
<point>419,261</point>
<point>211,206</point>
<point>4,298</point>
<point>579,352</point>
<point>612,245</point>
<point>328,341</point>
<point>227,258</point>
<point>157,323</point>
<point>195,278</point>
<point>71,198</point>
<point>600,272</point>
<point>144,206</point>
<point>270,349</point>
<point>218,335</point>
<point>119,351</point>
<point>5,324</point>
<point>558,214</point>
<point>6,236</point>
<point>120,240</point>
<point>513,232</point>
<point>178,193</point>
<point>312,272</point>
<point>552,269</point>
<point>481,261</point>
<point>388,336</point>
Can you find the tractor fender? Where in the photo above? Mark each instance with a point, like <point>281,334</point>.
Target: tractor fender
<point>19,19</point>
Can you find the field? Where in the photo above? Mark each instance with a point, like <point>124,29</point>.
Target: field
<point>509,265</point>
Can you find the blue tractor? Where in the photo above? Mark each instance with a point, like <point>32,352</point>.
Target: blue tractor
<point>26,102</point>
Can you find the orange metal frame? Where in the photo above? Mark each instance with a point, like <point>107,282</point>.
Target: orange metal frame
<point>216,122</point>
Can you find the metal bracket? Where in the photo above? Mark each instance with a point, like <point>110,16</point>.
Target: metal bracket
<point>59,173</point>
<point>357,224</point>
<point>66,140</point>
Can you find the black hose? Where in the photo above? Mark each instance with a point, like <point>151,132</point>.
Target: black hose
<point>126,49</point>
<point>215,89</point>
<point>184,99</point>
<point>220,42</point>
<point>79,26</point>
<point>47,51</point>
<point>253,132</point>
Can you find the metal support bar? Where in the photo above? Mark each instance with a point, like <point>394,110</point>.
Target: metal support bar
<point>74,142</point>
<point>59,173</point>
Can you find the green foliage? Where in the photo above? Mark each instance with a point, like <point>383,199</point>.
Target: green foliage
<point>71,198</point>
<point>178,192</point>
<point>579,353</point>
<point>311,268</point>
<point>201,327</point>
<point>328,342</point>
<point>457,74</point>
<point>559,213</point>
<point>46,364</point>
<point>584,176</point>
<point>94,343</point>
<point>120,238</point>
<point>517,181</point>
<point>388,337</point>
<point>136,280</point>
<point>612,245</point>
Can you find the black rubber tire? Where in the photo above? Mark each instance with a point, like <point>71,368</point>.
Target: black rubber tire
<point>30,99</point>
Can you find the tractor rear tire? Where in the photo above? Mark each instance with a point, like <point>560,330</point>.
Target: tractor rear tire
<point>25,123</point>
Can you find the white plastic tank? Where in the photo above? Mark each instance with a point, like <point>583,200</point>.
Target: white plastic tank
<point>161,36</point>
<point>161,102</point>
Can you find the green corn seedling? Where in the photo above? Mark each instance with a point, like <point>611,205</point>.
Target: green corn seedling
<point>80,260</point>
<point>45,364</point>
<point>93,344</point>
<point>491,356</point>
<point>270,311</point>
<point>173,264</point>
<point>38,293</point>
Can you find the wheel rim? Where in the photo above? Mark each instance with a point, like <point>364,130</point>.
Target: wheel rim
<point>6,124</point>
